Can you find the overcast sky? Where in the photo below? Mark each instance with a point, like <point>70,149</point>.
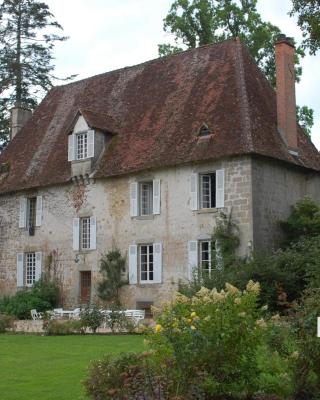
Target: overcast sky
<point>110,34</point>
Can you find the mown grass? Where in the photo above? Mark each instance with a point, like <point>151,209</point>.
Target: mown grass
<point>52,367</point>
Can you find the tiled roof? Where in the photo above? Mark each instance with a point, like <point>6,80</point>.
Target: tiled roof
<point>156,110</point>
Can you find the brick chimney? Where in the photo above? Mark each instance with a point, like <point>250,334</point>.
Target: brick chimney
<point>286,97</point>
<point>19,116</point>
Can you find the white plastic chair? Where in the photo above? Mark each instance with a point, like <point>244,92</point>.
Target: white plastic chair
<point>35,315</point>
<point>76,313</point>
<point>58,312</point>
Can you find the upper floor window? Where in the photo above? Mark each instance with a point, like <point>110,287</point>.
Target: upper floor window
<point>84,233</point>
<point>30,213</point>
<point>145,198</point>
<point>207,190</point>
<point>81,146</point>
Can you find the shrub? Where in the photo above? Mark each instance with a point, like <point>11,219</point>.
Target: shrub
<point>61,327</point>
<point>6,322</point>
<point>91,317</point>
<point>42,296</point>
<point>118,322</point>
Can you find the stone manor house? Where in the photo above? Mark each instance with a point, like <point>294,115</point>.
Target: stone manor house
<point>143,159</point>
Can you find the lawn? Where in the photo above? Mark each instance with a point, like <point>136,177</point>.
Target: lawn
<point>52,367</point>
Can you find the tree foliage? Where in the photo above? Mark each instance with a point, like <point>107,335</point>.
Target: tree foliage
<point>198,22</point>
<point>27,40</point>
<point>112,266</point>
<point>308,12</point>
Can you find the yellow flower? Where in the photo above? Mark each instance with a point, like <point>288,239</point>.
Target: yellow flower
<point>231,289</point>
<point>253,287</point>
<point>203,292</point>
<point>181,299</point>
<point>189,320</point>
<point>193,314</point>
<point>193,327</point>
<point>207,318</point>
<point>237,300</point>
<point>158,328</point>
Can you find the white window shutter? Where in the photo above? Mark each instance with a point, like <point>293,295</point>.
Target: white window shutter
<point>156,196</point>
<point>157,262</point>
<point>39,211</point>
<point>93,233</point>
<point>220,188</point>
<point>23,212</point>
<point>134,199</point>
<point>90,136</point>
<point>38,266</point>
<point>194,192</point>
<point>71,147</point>
<point>76,233</point>
<point>192,257</point>
<point>133,264</point>
<point>20,270</point>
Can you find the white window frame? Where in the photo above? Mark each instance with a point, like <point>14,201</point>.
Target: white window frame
<point>201,252</point>
<point>196,190</point>
<point>145,196</point>
<point>148,264</point>
<point>85,233</point>
<point>210,188</point>
<point>31,209</point>
<point>137,208</point>
<point>83,138</point>
<point>30,268</point>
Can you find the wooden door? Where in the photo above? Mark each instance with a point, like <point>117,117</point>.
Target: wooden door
<point>85,286</point>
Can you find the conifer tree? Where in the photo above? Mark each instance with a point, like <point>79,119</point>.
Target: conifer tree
<point>27,39</point>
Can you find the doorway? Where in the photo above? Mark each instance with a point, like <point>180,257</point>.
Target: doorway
<point>85,286</point>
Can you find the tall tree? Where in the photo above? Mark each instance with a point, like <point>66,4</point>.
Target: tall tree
<point>308,12</point>
<point>27,41</point>
<point>198,22</point>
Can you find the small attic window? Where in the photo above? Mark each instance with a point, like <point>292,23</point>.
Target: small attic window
<point>204,131</point>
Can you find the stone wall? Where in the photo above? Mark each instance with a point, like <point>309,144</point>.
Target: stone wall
<point>109,201</point>
<point>277,186</point>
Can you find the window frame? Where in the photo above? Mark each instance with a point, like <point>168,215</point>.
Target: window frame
<point>31,212</point>
<point>149,200</point>
<point>85,236</point>
<point>84,144</point>
<point>208,260</point>
<point>212,198</point>
<point>29,282</point>
<point>148,262</point>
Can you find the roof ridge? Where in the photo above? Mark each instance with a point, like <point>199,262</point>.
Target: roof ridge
<point>244,104</point>
<point>146,62</point>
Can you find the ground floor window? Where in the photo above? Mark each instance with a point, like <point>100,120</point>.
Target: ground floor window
<point>85,286</point>
<point>30,268</point>
<point>205,256</point>
<point>146,263</point>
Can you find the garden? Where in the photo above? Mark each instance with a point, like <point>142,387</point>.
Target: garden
<point>245,331</point>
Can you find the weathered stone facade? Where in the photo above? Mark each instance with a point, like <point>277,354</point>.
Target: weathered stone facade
<point>109,201</point>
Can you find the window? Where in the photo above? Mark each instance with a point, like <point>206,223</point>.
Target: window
<point>146,263</point>
<point>85,233</point>
<point>81,146</point>
<point>30,268</point>
<point>205,256</point>
<point>204,130</point>
<point>208,190</point>
<point>146,198</point>
<point>31,213</point>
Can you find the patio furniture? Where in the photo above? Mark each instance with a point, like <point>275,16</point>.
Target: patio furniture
<point>35,315</point>
<point>75,313</point>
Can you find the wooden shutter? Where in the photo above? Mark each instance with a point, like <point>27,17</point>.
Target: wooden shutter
<point>76,233</point>
<point>134,199</point>
<point>38,265</point>
<point>90,136</point>
<point>20,270</point>
<point>194,192</point>
<point>192,257</point>
<point>23,212</point>
<point>71,147</point>
<point>133,264</point>
<point>93,233</point>
<point>157,262</point>
<point>156,196</point>
<point>219,188</point>
<point>39,211</point>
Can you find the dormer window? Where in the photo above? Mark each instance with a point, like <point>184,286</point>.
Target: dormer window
<point>204,130</point>
<point>81,146</point>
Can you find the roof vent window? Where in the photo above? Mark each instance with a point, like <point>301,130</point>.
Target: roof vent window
<point>204,130</point>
